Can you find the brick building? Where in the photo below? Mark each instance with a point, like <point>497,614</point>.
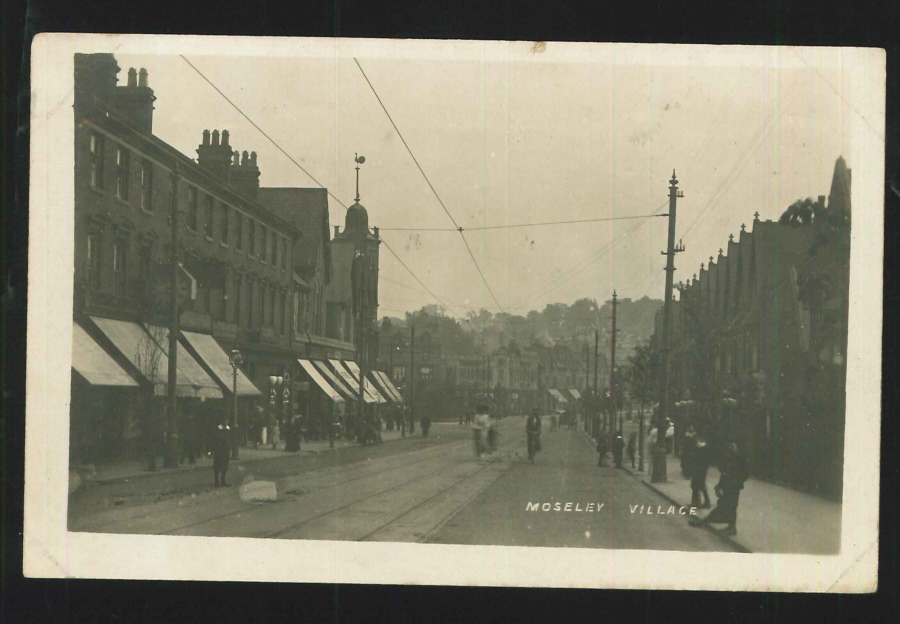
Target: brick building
<point>240,258</point>
<point>759,343</point>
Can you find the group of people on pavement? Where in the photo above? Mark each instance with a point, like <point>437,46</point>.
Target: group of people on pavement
<point>733,473</point>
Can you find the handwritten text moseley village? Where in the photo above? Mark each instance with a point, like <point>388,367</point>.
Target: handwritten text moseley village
<point>647,510</point>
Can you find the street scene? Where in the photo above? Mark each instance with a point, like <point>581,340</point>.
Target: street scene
<point>585,305</point>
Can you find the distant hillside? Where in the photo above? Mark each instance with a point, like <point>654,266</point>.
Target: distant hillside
<point>559,322</point>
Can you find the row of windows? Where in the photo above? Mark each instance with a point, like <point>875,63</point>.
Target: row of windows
<point>210,300</point>
<point>268,245</point>
<point>269,313</point>
<point>119,265</point>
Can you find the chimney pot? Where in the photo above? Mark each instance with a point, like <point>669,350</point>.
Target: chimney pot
<point>225,136</point>
<point>215,137</point>
<point>253,158</point>
<point>236,158</point>
<point>206,137</point>
<point>142,80</point>
<point>245,158</point>
<point>132,77</point>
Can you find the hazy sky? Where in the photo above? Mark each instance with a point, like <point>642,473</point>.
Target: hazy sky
<point>522,142</point>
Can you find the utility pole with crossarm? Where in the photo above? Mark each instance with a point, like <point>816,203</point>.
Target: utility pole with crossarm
<point>658,473</point>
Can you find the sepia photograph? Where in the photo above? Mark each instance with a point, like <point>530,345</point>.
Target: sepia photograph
<point>465,300</point>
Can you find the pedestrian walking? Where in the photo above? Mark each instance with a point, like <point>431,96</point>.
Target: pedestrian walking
<point>221,452</point>
<point>533,433</point>
<point>697,469</point>
<point>618,448</point>
<point>731,482</point>
<point>479,429</point>
<point>632,447</point>
<point>426,425</point>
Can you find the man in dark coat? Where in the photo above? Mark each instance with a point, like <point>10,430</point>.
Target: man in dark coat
<point>697,469</point>
<point>533,432</point>
<point>426,425</point>
<point>221,451</point>
<point>733,475</point>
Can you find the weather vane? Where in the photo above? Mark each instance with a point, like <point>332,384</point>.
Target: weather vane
<point>359,160</point>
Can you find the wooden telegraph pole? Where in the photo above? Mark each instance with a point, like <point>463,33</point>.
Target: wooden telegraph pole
<point>412,375</point>
<point>612,373</point>
<point>595,408</point>
<point>658,473</point>
<point>172,450</point>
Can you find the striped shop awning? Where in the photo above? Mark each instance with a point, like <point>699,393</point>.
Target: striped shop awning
<point>94,364</point>
<point>137,346</point>
<point>556,394</point>
<point>320,381</point>
<point>218,362</point>
<point>344,374</point>
<point>367,385</point>
<point>348,393</point>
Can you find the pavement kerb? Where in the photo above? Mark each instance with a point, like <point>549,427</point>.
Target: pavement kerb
<point>189,468</point>
<point>725,538</point>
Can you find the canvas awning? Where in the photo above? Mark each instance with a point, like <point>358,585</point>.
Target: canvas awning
<point>204,384</point>
<point>322,367</point>
<point>151,359</point>
<point>575,394</point>
<point>556,394</point>
<point>388,386</point>
<point>367,385</point>
<point>378,382</point>
<point>344,374</point>
<point>218,362</point>
<point>94,364</point>
<point>320,381</point>
<point>392,387</point>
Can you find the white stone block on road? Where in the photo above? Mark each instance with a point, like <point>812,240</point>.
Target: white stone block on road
<point>258,491</point>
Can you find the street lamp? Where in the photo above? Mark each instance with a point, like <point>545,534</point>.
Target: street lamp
<point>235,359</point>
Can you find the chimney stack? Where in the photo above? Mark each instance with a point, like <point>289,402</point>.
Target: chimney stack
<point>135,100</point>
<point>95,81</point>
<point>245,174</point>
<point>214,157</point>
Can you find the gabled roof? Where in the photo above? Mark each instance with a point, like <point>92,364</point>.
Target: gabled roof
<point>307,209</point>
